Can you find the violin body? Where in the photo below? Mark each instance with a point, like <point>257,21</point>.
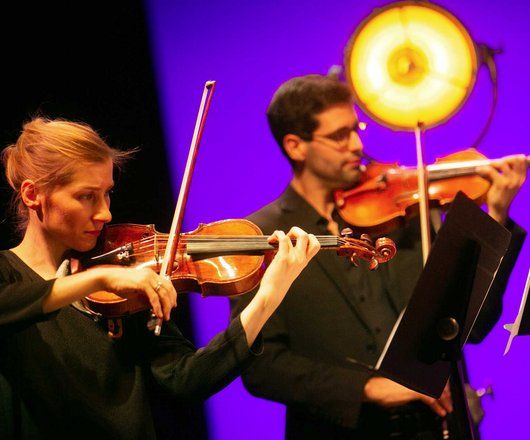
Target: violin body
<point>223,258</point>
<point>388,193</point>
<point>141,246</point>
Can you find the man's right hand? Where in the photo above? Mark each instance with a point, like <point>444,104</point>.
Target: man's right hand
<point>387,393</point>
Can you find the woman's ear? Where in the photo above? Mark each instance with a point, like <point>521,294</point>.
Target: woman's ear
<point>295,147</point>
<point>31,196</point>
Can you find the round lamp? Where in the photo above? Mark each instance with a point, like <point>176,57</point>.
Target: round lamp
<point>411,64</point>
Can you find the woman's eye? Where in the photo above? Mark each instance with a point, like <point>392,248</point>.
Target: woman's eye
<point>87,196</point>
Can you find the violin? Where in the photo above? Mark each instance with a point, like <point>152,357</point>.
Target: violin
<point>223,258</point>
<point>387,195</point>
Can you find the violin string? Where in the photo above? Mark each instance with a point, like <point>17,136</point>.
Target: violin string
<point>216,239</point>
<point>237,244</point>
<point>253,238</point>
<point>252,245</point>
<point>224,247</point>
<point>217,244</point>
<point>148,251</point>
<point>223,239</point>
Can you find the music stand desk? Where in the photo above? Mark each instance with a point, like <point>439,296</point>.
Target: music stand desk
<point>430,333</point>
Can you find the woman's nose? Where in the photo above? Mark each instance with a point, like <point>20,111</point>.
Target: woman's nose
<point>103,213</point>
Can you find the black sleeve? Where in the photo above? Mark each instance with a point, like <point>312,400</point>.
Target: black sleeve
<point>194,375</point>
<point>492,308</point>
<point>330,391</point>
<point>20,301</point>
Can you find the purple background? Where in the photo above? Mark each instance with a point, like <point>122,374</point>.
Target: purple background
<point>250,48</point>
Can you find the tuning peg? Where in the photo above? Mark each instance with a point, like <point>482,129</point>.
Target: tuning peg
<point>374,264</point>
<point>346,233</point>
<point>367,239</point>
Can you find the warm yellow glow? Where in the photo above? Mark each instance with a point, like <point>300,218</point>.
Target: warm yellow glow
<point>411,63</point>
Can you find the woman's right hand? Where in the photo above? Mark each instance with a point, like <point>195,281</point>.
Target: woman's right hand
<point>127,282</point>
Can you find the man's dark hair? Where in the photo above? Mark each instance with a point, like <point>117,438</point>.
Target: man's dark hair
<point>295,104</point>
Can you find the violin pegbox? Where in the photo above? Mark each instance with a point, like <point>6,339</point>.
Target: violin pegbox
<point>363,248</point>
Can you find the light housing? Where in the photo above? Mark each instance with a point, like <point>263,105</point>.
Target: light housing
<point>411,64</point>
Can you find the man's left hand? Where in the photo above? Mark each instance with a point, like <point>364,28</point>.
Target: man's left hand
<point>506,175</point>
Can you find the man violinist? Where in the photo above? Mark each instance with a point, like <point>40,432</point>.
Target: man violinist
<point>335,312</point>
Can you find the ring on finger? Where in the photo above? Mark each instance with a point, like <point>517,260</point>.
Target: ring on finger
<point>158,286</point>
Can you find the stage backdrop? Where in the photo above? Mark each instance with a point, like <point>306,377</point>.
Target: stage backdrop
<point>250,48</point>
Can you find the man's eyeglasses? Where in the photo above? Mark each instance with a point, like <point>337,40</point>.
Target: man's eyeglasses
<point>341,137</point>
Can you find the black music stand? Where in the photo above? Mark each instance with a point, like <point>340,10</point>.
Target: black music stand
<point>426,343</point>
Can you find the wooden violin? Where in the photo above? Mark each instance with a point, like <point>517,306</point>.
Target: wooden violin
<point>223,258</point>
<point>388,193</point>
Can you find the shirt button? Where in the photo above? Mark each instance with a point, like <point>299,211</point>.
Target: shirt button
<point>362,298</point>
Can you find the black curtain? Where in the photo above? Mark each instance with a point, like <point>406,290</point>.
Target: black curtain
<point>91,62</point>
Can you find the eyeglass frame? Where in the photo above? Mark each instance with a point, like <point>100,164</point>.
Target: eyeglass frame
<point>342,142</point>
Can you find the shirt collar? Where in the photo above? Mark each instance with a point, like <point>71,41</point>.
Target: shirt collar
<point>294,202</point>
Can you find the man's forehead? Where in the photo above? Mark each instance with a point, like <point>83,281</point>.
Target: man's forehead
<point>337,116</point>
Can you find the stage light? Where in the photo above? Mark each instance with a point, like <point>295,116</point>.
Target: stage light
<point>411,64</point>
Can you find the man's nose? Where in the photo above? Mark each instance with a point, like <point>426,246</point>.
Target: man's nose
<point>355,144</point>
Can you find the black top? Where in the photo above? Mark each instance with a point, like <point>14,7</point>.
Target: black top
<point>60,374</point>
<point>335,315</point>
<point>370,292</point>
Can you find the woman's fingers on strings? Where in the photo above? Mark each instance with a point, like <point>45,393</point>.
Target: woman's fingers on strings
<point>314,245</point>
<point>301,238</point>
<point>284,242</point>
<point>307,243</point>
<point>296,232</point>
<point>273,238</point>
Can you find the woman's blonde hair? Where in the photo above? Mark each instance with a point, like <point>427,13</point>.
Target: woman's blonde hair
<point>48,151</point>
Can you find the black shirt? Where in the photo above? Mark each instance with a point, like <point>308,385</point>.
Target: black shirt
<point>323,324</point>
<point>368,290</point>
<point>60,374</point>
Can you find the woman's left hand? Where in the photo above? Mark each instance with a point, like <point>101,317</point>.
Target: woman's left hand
<point>290,259</point>
<point>286,265</point>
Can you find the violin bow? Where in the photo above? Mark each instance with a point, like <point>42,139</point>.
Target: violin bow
<point>176,226</point>
<point>457,380</point>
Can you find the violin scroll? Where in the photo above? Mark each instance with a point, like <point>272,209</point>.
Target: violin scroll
<point>364,249</point>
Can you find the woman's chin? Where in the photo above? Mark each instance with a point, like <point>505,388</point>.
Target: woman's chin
<point>85,245</point>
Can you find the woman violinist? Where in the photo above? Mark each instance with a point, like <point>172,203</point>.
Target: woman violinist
<point>60,373</point>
